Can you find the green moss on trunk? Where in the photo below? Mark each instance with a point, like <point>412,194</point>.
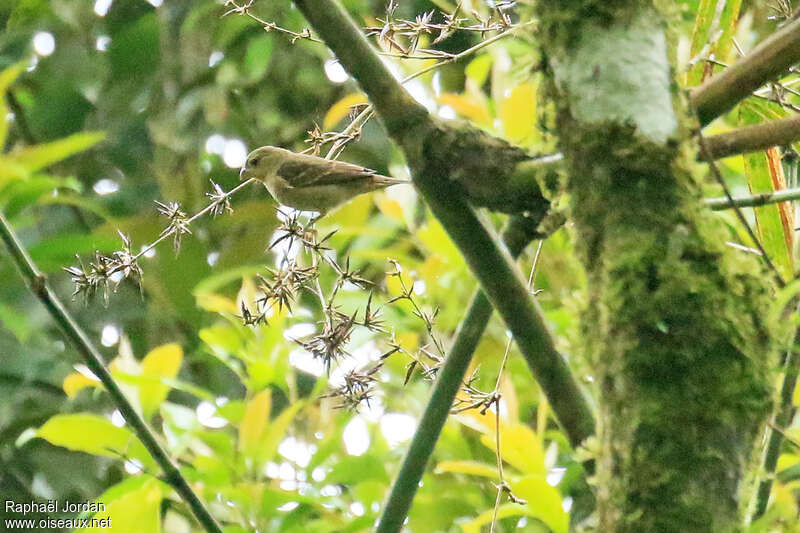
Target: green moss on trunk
<point>674,323</point>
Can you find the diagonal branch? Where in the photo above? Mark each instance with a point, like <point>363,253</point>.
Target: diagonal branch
<point>448,382</point>
<point>755,138</point>
<point>39,286</point>
<point>782,418</point>
<point>433,164</point>
<point>769,59</point>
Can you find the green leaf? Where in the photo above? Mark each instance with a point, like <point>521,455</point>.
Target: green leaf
<point>708,25</point>
<point>52,254</point>
<point>353,470</point>
<point>543,502</point>
<point>473,468</point>
<point>478,69</point>
<point>134,52</point>
<point>37,157</point>
<point>161,362</point>
<point>19,194</point>
<point>135,511</point>
<point>15,322</point>
<point>256,59</point>
<point>770,227</point>
<point>87,433</point>
<point>254,423</point>
<point>277,431</point>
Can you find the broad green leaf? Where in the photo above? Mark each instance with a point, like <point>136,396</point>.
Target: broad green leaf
<point>270,441</point>
<point>19,194</point>
<point>87,433</point>
<point>56,252</point>
<point>506,510</point>
<point>256,59</point>
<point>519,444</point>
<point>15,322</point>
<point>81,202</point>
<point>162,362</point>
<point>519,447</point>
<point>543,502</point>
<point>217,303</point>
<point>11,170</point>
<point>352,470</point>
<point>436,240</point>
<point>40,156</point>
<point>773,222</point>
<point>135,511</point>
<point>478,69</point>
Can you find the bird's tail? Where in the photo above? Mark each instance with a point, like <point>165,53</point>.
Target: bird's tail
<point>386,181</point>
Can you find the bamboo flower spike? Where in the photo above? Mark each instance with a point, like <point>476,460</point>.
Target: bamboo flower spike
<point>311,183</point>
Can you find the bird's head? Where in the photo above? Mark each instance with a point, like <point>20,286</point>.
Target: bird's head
<point>263,162</point>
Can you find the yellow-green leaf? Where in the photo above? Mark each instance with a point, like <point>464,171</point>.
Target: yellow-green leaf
<point>254,422</point>
<point>520,447</point>
<point>37,157</point>
<point>75,382</point>
<point>467,106</point>
<point>472,468</point>
<point>543,502</point>
<point>277,431</point>
<point>162,362</point>
<point>477,70</point>
<point>485,518</point>
<point>771,223</point>
<point>87,433</point>
<point>135,511</point>
<point>712,24</point>
<point>518,113</point>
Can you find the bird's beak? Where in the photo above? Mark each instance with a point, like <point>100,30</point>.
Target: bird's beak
<point>243,173</point>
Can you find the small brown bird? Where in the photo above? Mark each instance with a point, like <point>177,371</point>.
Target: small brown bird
<point>310,183</point>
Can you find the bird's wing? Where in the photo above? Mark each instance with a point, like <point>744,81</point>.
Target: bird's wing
<point>307,170</point>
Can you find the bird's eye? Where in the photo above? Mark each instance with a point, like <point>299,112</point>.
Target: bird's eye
<point>253,162</point>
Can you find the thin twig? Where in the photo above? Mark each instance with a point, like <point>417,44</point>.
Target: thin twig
<point>502,485</point>
<point>41,289</point>
<point>369,111</point>
<point>244,9</point>
<point>449,379</point>
<point>718,176</point>
<point>207,209</point>
<point>755,200</point>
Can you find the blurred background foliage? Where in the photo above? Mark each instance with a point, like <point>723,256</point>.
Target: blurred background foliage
<point>176,94</point>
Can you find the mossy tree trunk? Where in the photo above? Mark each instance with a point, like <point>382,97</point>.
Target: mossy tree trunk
<point>674,326</point>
